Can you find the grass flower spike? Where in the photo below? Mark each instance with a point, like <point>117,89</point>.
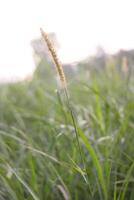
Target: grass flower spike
<point>52,50</point>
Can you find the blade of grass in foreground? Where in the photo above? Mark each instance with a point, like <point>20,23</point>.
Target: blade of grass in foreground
<point>126,182</point>
<point>96,162</point>
<point>24,184</point>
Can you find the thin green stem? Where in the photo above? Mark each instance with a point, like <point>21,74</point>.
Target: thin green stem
<point>77,138</point>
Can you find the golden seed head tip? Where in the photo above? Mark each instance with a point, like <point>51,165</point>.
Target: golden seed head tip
<point>43,33</point>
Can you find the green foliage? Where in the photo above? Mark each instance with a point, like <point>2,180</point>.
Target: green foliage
<point>39,154</point>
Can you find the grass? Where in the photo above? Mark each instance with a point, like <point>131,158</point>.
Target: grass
<point>39,155</point>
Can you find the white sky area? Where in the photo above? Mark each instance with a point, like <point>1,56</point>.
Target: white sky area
<point>80,25</point>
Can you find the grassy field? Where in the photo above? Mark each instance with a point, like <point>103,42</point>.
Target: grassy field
<point>42,158</point>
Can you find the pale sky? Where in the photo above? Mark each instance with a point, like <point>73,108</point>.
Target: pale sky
<point>80,25</point>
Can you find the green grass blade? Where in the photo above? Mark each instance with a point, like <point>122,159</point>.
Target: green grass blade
<point>126,182</point>
<point>25,185</point>
<point>96,161</point>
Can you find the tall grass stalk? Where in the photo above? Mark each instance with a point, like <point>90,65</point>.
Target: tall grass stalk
<point>62,77</point>
<point>91,151</point>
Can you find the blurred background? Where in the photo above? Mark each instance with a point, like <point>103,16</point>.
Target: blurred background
<point>83,31</point>
<point>44,134</point>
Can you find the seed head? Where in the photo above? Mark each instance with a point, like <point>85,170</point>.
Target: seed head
<point>53,53</point>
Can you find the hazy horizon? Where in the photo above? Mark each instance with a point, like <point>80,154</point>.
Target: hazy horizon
<point>80,26</point>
